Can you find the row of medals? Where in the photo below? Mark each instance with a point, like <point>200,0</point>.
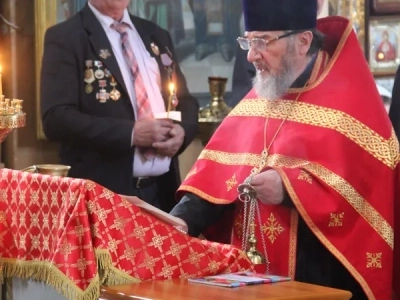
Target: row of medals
<point>91,75</point>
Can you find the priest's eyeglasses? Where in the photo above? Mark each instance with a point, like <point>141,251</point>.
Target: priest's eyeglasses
<point>260,44</point>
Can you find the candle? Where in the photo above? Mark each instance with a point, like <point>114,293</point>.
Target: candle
<point>1,88</point>
<point>171,97</point>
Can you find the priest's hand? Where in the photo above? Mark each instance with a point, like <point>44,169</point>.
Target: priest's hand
<point>171,146</point>
<point>269,187</point>
<point>148,131</point>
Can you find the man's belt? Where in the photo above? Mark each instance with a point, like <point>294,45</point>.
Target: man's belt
<point>141,182</point>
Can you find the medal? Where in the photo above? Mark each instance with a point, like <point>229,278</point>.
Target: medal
<point>104,53</point>
<point>102,94</point>
<point>114,94</point>
<point>107,72</point>
<point>89,76</point>
<point>155,49</point>
<point>99,73</point>
<point>88,88</point>
<point>166,60</point>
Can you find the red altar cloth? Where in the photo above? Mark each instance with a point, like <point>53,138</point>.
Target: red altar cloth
<point>76,235</point>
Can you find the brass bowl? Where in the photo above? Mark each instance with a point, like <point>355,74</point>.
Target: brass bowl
<point>49,169</point>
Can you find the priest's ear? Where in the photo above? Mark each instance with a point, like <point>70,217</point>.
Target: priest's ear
<point>304,40</point>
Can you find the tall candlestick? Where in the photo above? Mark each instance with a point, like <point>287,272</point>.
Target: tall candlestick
<point>1,86</point>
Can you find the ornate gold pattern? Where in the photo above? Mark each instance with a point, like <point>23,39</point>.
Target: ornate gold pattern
<point>336,220</point>
<point>231,183</point>
<point>369,213</point>
<point>272,228</point>
<point>374,260</point>
<point>305,176</point>
<point>231,159</point>
<point>331,63</point>
<point>316,68</point>
<point>12,121</point>
<point>294,221</point>
<point>76,235</point>
<point>353,271</point>
<point>385,150</point>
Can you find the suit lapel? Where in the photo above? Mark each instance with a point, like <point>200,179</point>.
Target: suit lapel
<point>148,37</point>
<point>99,41</point>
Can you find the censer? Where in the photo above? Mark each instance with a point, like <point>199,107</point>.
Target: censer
<point>248,196</point>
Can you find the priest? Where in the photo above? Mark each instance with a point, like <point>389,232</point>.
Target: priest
<point>302,173</point>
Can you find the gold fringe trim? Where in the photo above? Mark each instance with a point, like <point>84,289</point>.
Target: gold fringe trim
<point>108,273</point>
<point>49,274</point>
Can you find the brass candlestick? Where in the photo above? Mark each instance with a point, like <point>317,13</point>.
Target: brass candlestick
<point>217,109</point>
<point>211,115</point>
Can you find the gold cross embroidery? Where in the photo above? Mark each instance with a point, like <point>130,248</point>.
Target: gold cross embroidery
<point>305,176</point>
<point>231,183</point>
<point>272,228</point>
<point>374,260</point>
<point>336,220</point>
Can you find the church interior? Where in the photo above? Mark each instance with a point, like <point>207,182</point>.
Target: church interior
<point>65,236</point>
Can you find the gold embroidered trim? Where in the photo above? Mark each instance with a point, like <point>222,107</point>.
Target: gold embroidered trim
<point>205,196</point>
<point>331,63</point>
<point>231,159</point>
<point>369,213</point>
<point>110,274</point>
<point>327,243</point>
<point>48,273</point>
<point>317,67</point>
<point>294,221</point>
<point>385,150</point>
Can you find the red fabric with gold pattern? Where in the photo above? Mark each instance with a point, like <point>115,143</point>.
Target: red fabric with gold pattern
<point>327,128</point>
<point>76,235</point>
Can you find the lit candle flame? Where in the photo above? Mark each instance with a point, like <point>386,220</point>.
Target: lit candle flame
<point>171,88</point>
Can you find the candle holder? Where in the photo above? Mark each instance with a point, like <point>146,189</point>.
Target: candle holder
<point>11,116</point>
<point>211,115</point>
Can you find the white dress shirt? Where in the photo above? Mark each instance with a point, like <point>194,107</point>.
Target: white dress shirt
<point>150,73</point>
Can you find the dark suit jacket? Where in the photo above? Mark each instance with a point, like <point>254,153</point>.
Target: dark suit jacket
<point>394,112</point>
<point>96,137</point>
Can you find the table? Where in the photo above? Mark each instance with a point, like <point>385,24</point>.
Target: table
<point>183,290</point>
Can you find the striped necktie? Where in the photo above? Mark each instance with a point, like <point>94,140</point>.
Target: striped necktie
<point>142,100</point>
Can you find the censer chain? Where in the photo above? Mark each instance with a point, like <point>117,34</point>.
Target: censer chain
<point>262,236</point>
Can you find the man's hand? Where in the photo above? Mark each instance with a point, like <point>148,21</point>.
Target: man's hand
<point>269,187</point>
<point>148,131</point>
<point>171,146</point>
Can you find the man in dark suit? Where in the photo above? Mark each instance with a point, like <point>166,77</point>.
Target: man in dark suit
<point>90,101</point>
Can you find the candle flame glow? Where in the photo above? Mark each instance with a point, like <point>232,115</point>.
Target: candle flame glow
<point>171,87</point>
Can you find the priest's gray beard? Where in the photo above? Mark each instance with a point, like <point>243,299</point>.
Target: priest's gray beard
<point>273,86</point>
